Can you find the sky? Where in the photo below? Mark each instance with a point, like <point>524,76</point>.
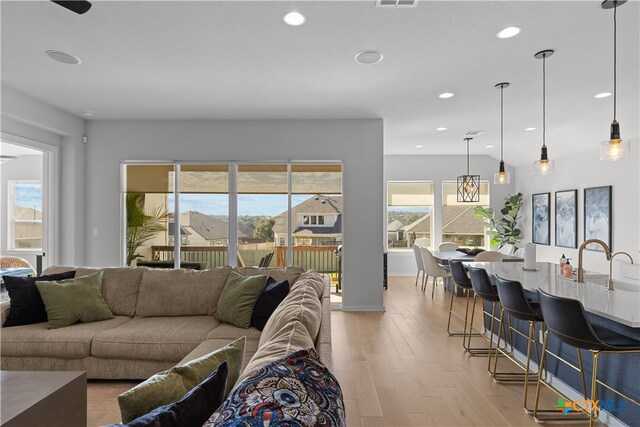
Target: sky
<point>29,194</point>
<point>248,204</point>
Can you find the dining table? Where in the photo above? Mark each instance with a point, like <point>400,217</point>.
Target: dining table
<point>443,257</point>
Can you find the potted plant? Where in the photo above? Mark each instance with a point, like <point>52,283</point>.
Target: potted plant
<point>504,230</point>
<point>141,225</point>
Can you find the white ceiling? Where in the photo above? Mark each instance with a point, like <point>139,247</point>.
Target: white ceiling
<point>238,60</point>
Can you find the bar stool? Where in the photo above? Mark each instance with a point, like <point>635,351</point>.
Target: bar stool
<point>515,303</point>
<point>484,290</point>
<point>462,281</point>
<point>566,319</point>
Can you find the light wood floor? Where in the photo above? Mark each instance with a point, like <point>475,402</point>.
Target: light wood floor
<point>397,368</point>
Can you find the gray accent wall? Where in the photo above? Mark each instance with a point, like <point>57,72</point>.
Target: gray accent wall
<point>358,143</point>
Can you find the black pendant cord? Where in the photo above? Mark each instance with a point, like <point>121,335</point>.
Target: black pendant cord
<point>615,66</point>
<point>544,100</point>
<point>501,122</point>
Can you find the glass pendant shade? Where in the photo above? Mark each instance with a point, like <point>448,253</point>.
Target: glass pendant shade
<point>615,149</point>
<point>543,167</point>
<point>501,177</point>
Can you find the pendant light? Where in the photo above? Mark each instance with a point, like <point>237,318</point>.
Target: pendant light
<point>615,148</point>
<point>544,166</point>
<point>501,177</point>
<point>468,185</point>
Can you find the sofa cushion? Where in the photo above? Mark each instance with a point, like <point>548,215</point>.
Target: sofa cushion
<point>291,337</point>
<point>25,300</point>
<point>230,332</point>
<point>289,274</point>
<point>71,342</point>
<point>238,298</point>
<point>153,338</point>
<point>296,390</point>
<point>192,409</point>
<point>273,294</point>
<point>213,344</point>
<point>302,304</point>
<point>180,292</point>
<point>311,278</point>
<point>171,385</point>
<point>120,285</point>
<point>74,300</point>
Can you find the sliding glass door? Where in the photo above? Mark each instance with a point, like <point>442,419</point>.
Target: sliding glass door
<point>209,215</point>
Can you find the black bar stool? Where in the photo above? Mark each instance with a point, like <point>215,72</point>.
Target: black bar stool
<point>515,303</point>
<point>462,281</point>
<point>484,290</point>
<point>566,319</point>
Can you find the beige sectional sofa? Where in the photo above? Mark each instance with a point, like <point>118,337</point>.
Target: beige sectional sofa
<point>166,317</point>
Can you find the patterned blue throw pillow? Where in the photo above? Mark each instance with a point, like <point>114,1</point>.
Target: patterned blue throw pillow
<point>295,391</point>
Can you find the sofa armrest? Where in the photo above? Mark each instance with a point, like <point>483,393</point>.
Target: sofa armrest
<point>5,306</point>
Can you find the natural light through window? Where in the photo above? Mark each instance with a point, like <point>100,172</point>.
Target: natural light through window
<point>25,215</point>
<point>409,213</point>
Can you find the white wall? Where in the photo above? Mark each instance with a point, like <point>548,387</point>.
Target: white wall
<point>439,169</point>
<point>28,118</point>
<point>580,171</point>
<point>358,143</point>
<point>22,168</point>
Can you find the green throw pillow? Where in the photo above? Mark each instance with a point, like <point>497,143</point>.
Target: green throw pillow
<point>238,298</point>
<point>171,385</point>
<point>74,300</point>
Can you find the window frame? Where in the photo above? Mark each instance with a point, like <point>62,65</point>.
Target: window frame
<point>483,182</point>
<point>12,221</point>
<point>431,207</point>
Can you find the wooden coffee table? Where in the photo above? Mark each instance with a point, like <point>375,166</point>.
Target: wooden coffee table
<point>43,398</point>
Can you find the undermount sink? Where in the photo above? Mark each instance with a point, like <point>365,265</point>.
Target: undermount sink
<point>625,286</point>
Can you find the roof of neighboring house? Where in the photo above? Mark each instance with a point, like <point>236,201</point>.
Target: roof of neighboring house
<point>209,227</point>
<point>183,230</point>
<point>461,220</point>
<point>311,206</point>
<point>395,225</point>
<point>22,213</point>
<point>420,225</point>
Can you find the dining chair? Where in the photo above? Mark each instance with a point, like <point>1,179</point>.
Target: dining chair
<point>433,269</point>
<point>8,261</point>
<point>423,242</point>
<point>488,256</point>
<point>419,263</point>
<point>447,246</point>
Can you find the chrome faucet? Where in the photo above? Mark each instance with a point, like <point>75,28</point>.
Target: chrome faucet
<point>611,267</point>
<point>584,244</point>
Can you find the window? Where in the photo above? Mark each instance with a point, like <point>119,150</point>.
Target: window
<point>409,213</point>
<point>313,219</point>
<point>459,224</point>
<point>25,215</point>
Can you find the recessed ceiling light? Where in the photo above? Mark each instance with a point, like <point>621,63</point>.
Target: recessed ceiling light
<point>530,129</point>
<point>87,113</point>
<point>488,146</point>
<point>419,146</point>
<point>441,128</point>
<point>603,95</point>
<point>445,95</point>
<point>508,32</point>
<point>368,57</point>
<point>63,57</point>
<point>294,18</point>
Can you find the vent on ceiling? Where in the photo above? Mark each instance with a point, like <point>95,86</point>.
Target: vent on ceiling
<point>474,133</point>
<point>396,3</point>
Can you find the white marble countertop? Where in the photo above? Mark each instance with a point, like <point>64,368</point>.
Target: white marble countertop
<point>621,305</point>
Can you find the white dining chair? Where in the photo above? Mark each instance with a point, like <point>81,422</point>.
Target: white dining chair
<point>433,269</point>
<point>419,263</point>
<point>423,242</point>
<point>447,246</point>
<point>488,256</point>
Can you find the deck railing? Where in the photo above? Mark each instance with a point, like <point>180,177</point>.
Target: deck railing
<point>320,258</point>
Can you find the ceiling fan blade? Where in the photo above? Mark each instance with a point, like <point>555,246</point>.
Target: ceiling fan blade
<point>78,7</point>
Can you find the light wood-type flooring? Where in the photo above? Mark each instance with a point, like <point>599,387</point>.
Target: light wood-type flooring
<point>398,368</point>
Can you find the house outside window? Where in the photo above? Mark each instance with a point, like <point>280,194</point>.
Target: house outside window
<point>459,224</point>
<point>409,213</point>
<point>25,215</point>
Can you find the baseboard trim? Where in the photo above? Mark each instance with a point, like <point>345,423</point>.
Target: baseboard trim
<point>363,307</point>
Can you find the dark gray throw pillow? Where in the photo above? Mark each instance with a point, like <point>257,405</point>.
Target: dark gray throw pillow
<point>26,305</point>
<point>273,294</point>
<point>193,409</point>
